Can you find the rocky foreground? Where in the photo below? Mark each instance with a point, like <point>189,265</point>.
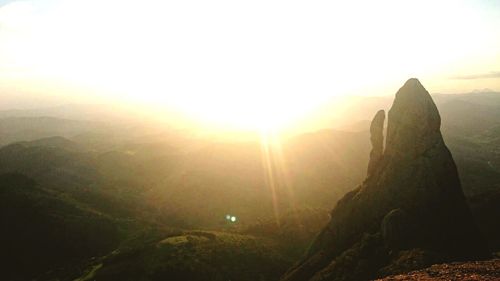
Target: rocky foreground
<point>466,271</point>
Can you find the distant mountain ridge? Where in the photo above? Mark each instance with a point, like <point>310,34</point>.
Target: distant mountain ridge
<point>138,180</point>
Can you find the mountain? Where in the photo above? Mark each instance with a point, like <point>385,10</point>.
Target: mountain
<point>83,112</point>
<point>25,128</point>
<point>43,231</point>
<point>233,177</point>
<point>404,215</point>
<point>141,183</point>
<point>56,161</point>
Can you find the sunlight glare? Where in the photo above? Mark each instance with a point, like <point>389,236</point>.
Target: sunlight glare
<point>258,65</point>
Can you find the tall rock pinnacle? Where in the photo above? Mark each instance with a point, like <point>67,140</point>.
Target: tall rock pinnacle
<point>377,140</point>
<point>414,121</point>
<point>410,212</point>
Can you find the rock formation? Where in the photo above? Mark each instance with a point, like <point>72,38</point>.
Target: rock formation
<point>408,213</point>
<point>377,140</point>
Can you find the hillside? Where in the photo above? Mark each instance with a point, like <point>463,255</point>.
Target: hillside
<point>43,232</point>
<point>24,128</point>
<point>145,184</point>
<point>193,255</point>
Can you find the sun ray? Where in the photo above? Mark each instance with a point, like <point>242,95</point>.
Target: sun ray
<point>269,173</point>
<point>278,177</point>
<point>283,176</point>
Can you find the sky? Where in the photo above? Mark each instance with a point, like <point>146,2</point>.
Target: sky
<point>242,62</point>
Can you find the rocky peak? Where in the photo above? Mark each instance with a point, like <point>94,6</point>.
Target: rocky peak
<point>410,212</point>
<point>413,122</point>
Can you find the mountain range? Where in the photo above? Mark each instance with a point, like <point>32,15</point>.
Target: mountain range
<point>138,196</point>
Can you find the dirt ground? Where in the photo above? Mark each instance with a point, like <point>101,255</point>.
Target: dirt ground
<point>463,271</point>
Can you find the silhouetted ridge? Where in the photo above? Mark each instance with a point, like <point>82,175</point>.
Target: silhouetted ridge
<point>410,211</point>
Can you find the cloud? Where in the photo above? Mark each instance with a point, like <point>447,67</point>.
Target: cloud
<point>489,75</point>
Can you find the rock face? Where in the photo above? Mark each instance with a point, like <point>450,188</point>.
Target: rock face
<point>409,212</point>
<point>377,140</point>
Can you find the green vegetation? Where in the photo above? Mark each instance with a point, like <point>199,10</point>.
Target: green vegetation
<point>42,232</point>
<point>193,255</point>
<point>99,202</point>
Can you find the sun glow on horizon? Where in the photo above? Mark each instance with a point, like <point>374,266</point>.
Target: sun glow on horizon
<point>260,65</point>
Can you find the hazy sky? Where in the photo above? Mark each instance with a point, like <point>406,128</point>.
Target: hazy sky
<point>250,59</point>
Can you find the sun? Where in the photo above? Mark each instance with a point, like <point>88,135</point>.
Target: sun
<point>251,66</point>
<point>262,114</point>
